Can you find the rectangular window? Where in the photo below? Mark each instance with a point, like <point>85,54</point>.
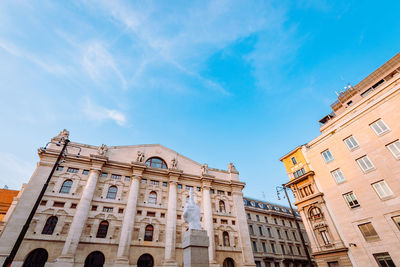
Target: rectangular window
<point>139,212</point>
<point>299,173</point>
<point>266,219</point>
<point>58,204</point>
<point>382,189</point>
<point>365,164</point>
<point>73,205</point>
<point>212,191</point>
<point>275,221</point>
<point>396,220</point>
<point>258,264</point>
<point>327,156</point>
<point>94,208</point>
<point>368,231</point>
<point>299,250</point>
<point>333,264</point>
<point>162,215</point>
<point>127,178</point>
<point>338,176</point>
<point>107,209</point>
<point>384,260</point>
<point>104,175</point>
<point>283,249</point>
<point>220,192</point>
<point>257,217</point>
<point>273,248</point>
<point>60,168</point>
<point>153,182</point>
<point>283,222</point>
<point>287,235</point>
<point>260,230</point>
<point>165,184</point>
<point>395,149</point>
<point>254,246</point>
<point>290,222</point>
<point>85,172</point>
<point>269,232</point>
<point>151,214</point>
<point>294,236</point>
<point>379,127</point>
<point>233,222</point>
<point>120,210</point>
<point>294,161</point>
<point>115,176</point>
<point>351,143</point>
<point>351,200</point>
<point>43,203</point>
<point>279,233</point>
<point>325,237</point>
<point>224,221</point>
<point>264,247</point>
<point>251,230</point>
<point>143,181</point>
<point>249,216</point>
<point>72,170</point>
<point>291,250</point>
<point>179,186</point>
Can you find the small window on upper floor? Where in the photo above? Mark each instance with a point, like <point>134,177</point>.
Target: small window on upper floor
<point>60,168</point>
<point>299,173</point>
<point>66,187</point>
<point>156,163</point>
<point>396,220</point>
<point>294,161</point>
<point>351,143</point>
<point>365,164</point>
<point>351,200</point>
<point>327,156</point>
<point>112,192</point>
<point>338,176</point>
<point>382,189</point>
<point>379,127</point>
<point>85,172</point>
<point>395,149</point>
<point>104,175</point>
<point>368,231</point>
<point>152,197</point>
<point>115,176</point>
<point>72,170</point>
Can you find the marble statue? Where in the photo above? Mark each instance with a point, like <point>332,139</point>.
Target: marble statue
<point>192,213</point>
<point>140,157</point>
<point>174,163</point>
<point>231,167</point>
<point>101,150</point>
<point>63,134</point>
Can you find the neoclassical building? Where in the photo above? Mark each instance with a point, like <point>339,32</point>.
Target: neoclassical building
<point>274,237</point>
<point>123,206</point>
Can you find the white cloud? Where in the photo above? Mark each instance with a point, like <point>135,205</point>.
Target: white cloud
<point>18,171</point>
<point>100,114</point>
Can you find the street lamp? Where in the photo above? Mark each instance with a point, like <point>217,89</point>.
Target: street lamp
<point>283,188</point>
<point>63,154</point>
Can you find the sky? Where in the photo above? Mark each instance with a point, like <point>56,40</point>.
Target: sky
<point>216,81</point>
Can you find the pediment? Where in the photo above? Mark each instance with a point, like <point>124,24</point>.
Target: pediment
<point>100,216</point>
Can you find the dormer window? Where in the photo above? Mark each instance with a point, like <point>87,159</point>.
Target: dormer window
<point>156,163</point>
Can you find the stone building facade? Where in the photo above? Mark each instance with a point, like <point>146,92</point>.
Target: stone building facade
<point>346,181</point>
<point>274,237</point>
<point>123,206</point>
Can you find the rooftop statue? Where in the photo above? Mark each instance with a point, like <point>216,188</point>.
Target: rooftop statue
<point>192,213</point>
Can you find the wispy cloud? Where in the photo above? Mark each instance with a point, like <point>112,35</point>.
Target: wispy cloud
<point>98,113</point>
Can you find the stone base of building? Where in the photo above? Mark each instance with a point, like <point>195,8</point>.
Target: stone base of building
<point>195,248</point>
<point>64,261</point>
<point>335,255</point>
<point>170,264</point>
<point>122,262</point>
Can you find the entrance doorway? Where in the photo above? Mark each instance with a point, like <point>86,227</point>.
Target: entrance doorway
<point>146,260</point>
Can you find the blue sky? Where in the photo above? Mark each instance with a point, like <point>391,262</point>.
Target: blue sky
<point>217,81</point>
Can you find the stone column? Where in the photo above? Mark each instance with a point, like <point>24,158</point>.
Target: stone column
<point>170,232</point>
<point>79,221</point>
<point>128,223</point>
<point>208,222</point>
<point>247,253</point>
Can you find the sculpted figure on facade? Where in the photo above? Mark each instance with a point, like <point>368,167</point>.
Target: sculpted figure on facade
<point>192,213</point>
<point>174,163</point>
<point>63,134</point>
<point>102,150</point>
<point>140,157</point>
<point>231,167</point>
<point>204,168</point>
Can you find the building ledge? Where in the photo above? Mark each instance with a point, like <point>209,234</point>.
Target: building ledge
<point>299,179</point>
<point>315,195</point>
<point>330,251</point>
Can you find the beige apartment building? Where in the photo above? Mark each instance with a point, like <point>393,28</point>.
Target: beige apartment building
<point>274,236</point>
<point>122,206</point>
<point>347,180</point>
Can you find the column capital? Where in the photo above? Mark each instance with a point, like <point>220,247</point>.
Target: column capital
<point>137,177</point>
<point>97,161</point>
<point>206,181</point>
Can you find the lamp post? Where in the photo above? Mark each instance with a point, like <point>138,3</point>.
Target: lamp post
<point>63,153</point>
<point>278,190</point>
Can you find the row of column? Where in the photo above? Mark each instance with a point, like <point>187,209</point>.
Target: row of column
<point>79,221</point>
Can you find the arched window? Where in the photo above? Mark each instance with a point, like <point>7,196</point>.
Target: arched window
<point>102,231</point>
<point>66,187</point>
<point>146,260</point>
<point>95,259</point>
<point>36,258</point>
<point>112,192</point>
<point>228,262</point>
<point>153,197</point>
<point>315,213</point>
<point>148,233</point>
<point>51,223</point>
<point>225,236</point>
<point>156,163</point>
<point>221,206</point>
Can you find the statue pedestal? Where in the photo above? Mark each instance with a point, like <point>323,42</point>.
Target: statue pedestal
<point>195,248</point>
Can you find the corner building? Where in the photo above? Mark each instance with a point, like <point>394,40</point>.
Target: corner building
<point>347,180</point>
<point>275,239</point>
<point>123,206</point>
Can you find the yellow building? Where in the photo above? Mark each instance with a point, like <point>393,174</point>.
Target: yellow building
<point>346,181</point>
<point>6,198</point>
